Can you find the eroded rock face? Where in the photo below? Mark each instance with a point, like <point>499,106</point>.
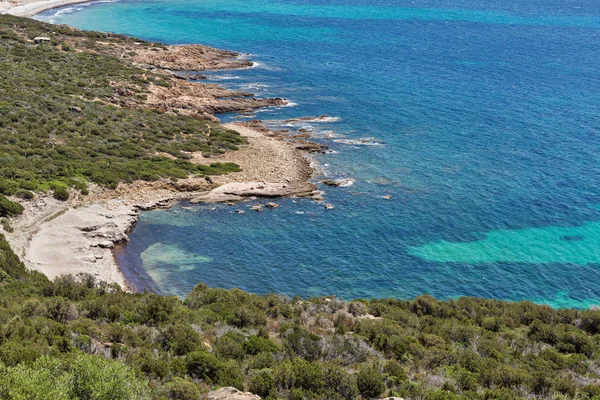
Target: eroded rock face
<point>231,393</point>
<point>191,58</point>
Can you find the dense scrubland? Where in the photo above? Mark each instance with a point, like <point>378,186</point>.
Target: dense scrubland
<point>75,338</point>
<point>71,112</point>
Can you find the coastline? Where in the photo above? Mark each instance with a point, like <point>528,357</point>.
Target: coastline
<point>78,236</point>
<point>58,238</point>
<point>31,8</point>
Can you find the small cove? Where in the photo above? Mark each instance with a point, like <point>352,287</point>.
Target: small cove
<point>485,119</point>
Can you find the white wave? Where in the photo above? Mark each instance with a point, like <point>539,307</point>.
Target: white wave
<point>222,77</point>
<point>254,86</point>
<point>369,141</point>
<point>328,134</point>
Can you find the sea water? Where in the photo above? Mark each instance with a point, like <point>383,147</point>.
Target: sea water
<point>479,118</point>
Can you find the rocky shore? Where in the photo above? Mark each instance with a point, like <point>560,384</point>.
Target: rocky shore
<point>74,237</point>
<point>77,236</point>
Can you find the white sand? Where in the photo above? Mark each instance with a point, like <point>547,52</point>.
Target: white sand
<point>28,8</point>
<point>59,238</point>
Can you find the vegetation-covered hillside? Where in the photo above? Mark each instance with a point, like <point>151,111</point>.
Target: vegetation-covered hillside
<point>79,339</point>
<point>71,113</point>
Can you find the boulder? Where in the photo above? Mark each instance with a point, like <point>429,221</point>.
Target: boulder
<point>231,393</point>
<point>329,206</point>
<point>271,205</point>
<point>256,207</point>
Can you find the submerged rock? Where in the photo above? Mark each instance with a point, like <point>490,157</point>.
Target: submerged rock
<point>256,207</point>
<point>329,206</point>
<point>271,205</point>
<point>338,182</point>
<point>239,211</point>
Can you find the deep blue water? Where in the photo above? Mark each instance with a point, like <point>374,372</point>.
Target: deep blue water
<point>487,117</point>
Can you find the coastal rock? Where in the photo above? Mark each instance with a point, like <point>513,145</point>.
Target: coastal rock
<point>231,393</point>
<point>107,244</point>
<point>256,207</point>
<point>211,197</point>
<point>311,147</point>
<point>266,189</point>
<point>113,235</point>
<point>387,197</point>
<point>239,211</point>
<point>329,206</point>
<point>337,182</point>
<point>190,58</point>
<point>195,77</point>
<point>271,205</point>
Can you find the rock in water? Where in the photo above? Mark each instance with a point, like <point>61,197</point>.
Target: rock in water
<point>231,393</point>
<point>330,182</point>
<point>271,205</point>
<point>239,211</point>
<point>256,207</point>
<point>329,206</point>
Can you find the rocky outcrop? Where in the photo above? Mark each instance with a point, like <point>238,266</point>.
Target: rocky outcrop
<point>204,100</point>
<point>190,58</point>
<point>311,147</point>
<point>337,182</point>
<point>236,191</point>
<point>231,393</point>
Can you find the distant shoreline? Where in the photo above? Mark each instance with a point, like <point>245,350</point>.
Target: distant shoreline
<point>29,9</point>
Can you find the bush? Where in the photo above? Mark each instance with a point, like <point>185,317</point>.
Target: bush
<point>261,383</point>
<point>61,193</point>
<point>180,389</point>
<point>9,208</point>
<point>369,382</point>
<point>202,365</point>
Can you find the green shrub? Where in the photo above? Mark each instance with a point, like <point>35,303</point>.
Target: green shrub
<point>261,383</point>
<point>61,193</point>
<point>369,382</point>
<point>9,208</point>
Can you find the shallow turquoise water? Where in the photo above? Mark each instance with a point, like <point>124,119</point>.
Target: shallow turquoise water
<point>486,127</point>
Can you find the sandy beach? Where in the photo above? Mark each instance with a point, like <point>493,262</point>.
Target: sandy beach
<point>58,238</point>
<point>28,8</point>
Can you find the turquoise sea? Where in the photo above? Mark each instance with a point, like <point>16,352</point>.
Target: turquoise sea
<point>482,122</point>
